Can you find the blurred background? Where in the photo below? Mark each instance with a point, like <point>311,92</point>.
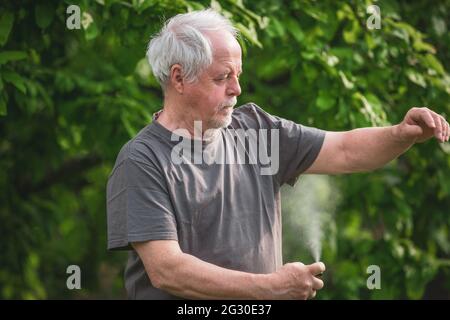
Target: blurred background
<point>71,97</point>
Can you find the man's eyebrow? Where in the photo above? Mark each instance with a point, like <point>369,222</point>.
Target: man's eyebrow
<point>228,69</point>
<point>224,70</point>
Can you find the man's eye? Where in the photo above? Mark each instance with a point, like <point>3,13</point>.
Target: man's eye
<point>224,77</point>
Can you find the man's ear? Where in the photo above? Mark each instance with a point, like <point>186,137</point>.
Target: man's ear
<point>176,78</point>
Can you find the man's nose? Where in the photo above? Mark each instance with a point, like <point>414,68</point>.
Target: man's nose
<point>234,89</point>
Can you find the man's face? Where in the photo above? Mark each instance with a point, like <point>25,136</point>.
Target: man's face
<point>213,96</point>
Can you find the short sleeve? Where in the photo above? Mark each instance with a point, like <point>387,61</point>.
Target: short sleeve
<point>299,145</point>
<point>138,205</point>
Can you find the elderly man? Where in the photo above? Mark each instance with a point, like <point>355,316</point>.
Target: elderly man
<point>212,229</point>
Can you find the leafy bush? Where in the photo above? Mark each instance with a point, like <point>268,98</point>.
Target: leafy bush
<point>70,99</point>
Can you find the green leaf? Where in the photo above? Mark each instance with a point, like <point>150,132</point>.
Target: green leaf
<point>193,6</point>
<point>141,5</point>
<point>439,25</point>
<point>347,83</point>
<point>416,78</point>
<point>295,30</point>
<point>369,108</point>
<point>90,27</point>
<point>47,99</point>
<point>3,109</point>
<point>351,34</point>
<point>44,14</point>
<point>401,34</point>
<point>91,32</point>
<point>275,28</point>
<point>418,276</point>
<point>316,13</point>
<point>310,71</point>
<point>249,33</point>
<point>126,59</point>
<point>15,79</point>
<point>405,27</point>
<point>325,101</point>
<point>273,69</point>
<point>6,56</point>
<point>419,45</point>
<point>308,55</point>
<point>131,130</point>
<point>431,61</point>
<point>6,23</point>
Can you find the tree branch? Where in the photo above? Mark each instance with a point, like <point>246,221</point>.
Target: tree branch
<point>72,168</point>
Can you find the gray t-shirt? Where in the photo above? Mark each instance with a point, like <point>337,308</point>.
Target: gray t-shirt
<point>225,214</point>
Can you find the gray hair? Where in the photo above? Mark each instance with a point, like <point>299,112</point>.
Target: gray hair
<point>182,40</point>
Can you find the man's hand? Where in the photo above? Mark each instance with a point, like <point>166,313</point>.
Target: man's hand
<point>186,276</point>
<point>420,124</point>
<point>296,281</point>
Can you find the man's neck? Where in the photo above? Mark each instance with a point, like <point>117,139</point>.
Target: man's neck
<point>175,117</point>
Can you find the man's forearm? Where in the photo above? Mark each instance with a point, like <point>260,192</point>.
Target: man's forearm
<point>368,149</point>
<point>193,278</point>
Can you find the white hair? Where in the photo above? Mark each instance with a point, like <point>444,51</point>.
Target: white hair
<point>182,40</point>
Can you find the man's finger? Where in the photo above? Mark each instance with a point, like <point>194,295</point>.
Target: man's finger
<point>437,121</point>
<point>424,115</point>
<point>440,131</point>
<point>317,283</point>
<point>316,268</point>
<point>448,131</point>
<point>444,129</point>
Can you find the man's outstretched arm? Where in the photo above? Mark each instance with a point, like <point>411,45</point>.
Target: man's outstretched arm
<point>367,149</point>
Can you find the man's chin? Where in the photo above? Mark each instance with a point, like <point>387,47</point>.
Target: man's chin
<point>221,122</point>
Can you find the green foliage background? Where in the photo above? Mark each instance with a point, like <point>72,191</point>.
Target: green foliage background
<point>69,99</point>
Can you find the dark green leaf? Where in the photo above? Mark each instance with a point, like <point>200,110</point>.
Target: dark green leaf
<point>15,79</point>
<point>44,13</point>
<point>3,109</point>
<point>6,23</point>
<point>6,56</point>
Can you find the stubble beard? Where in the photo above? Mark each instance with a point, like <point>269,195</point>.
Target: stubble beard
<point>220,121</point>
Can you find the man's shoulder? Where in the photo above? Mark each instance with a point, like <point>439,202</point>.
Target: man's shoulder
<point>140,148</point>
<point>250,115</point>
<point>250,108</point>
